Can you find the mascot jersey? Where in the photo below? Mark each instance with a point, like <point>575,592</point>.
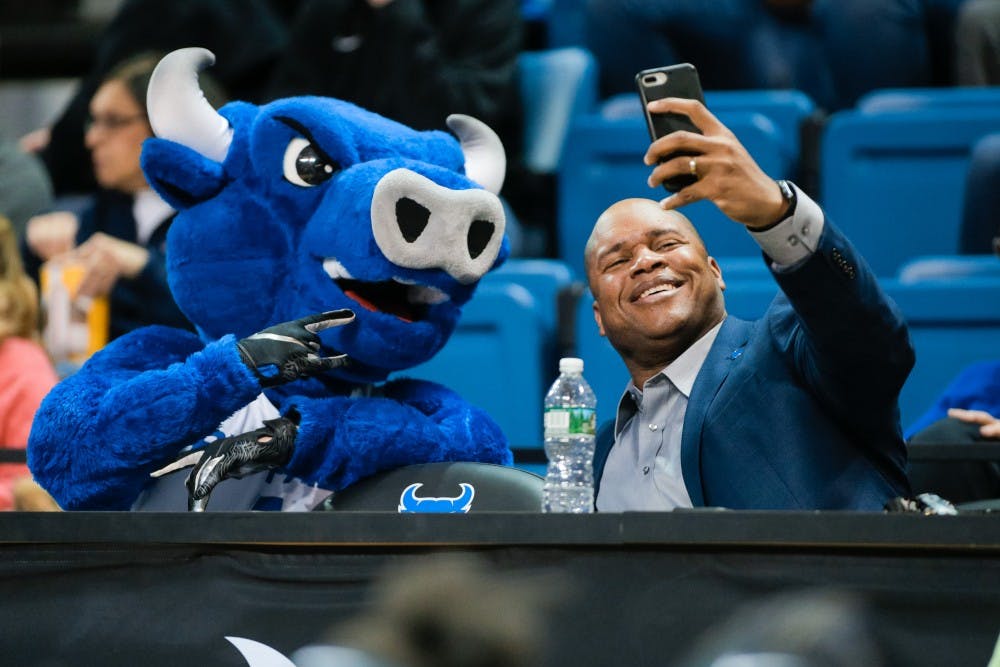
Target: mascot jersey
<point>297,207</point>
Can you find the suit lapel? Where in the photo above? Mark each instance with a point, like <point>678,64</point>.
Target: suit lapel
<point>728,347</point>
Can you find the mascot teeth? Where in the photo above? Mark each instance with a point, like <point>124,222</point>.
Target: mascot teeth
<point>335,269</point>
<point>426,294</point>
<point>404,298</point>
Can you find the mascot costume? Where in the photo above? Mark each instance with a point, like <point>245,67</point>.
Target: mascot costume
<point>318,248</point>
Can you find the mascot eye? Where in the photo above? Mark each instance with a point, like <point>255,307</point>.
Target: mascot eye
<point>304,165</point>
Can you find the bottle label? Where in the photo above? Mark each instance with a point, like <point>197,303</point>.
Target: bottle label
<point>570,421</point>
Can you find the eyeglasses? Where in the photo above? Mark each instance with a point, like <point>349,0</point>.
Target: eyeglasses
<point>110,123</point>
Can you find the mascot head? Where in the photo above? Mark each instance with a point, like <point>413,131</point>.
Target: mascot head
<point>311,204</point>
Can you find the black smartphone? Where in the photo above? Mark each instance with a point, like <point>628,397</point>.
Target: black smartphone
<point>670,81</point>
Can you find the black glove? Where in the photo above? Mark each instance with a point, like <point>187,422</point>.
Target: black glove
<point>268,447</point>
<point>288,351</point>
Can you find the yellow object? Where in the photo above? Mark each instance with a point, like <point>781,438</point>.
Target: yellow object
<point>75,327</point>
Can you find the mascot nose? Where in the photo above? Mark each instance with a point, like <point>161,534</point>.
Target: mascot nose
<point>422,225</point>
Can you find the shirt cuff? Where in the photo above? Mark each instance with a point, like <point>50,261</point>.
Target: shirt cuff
<point>795,239</point>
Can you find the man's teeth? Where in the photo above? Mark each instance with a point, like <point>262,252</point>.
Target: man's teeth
<point>666,287</point>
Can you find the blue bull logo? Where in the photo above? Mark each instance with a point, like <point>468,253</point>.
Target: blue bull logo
<point>410,503</point>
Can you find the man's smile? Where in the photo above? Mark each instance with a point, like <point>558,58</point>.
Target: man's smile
<point>653,290</point>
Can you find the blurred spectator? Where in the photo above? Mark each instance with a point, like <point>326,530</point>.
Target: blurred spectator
<point>834,50</point>
<point>26,374</point>
<point>967,411</point>
<point>245,35</point>
<point>120,239</point>
<point>977,43</point>
<point>416,61</point>
<point>25,188</point>
<point>810,628</point>
<point>447,610</point>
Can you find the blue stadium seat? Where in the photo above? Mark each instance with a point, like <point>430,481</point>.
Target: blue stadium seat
<point>788,109</point>
<point>953,323</point>
<point>894,180</point>
<point>544,278</point>
<point>566,23</point>
<point>603,163</point>
<point>906,99</point>
<point>556,85</point>
<point>949,267</point>
<point>742,268</point>
<point>494,360</point>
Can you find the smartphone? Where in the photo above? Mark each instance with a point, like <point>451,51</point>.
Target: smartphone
<point>670,81</point>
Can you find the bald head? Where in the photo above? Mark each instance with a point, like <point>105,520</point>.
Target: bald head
<point>605,229</point>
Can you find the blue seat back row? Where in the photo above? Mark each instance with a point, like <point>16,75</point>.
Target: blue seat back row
<point>501,356</point>
<point>894,180</point>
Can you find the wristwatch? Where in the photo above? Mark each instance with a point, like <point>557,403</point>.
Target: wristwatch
<point>788,194</point>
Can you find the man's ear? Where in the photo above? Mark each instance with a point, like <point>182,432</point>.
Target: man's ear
<point>597,318</point>
<point>717,270</point>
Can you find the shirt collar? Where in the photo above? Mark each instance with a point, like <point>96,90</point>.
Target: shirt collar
<point>681,372</point>
<point>149,211</point>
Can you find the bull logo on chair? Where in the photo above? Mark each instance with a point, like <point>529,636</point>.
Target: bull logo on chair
<point>409,503</point>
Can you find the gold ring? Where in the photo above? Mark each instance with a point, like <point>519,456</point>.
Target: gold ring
<point>693,167</point>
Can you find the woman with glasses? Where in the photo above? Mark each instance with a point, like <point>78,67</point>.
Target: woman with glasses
<point>120,238</point>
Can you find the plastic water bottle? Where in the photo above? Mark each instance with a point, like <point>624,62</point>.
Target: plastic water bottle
<point>570,419</point>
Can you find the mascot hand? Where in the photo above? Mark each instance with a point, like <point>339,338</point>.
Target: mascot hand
<point>237,456</point>
<point>288,351</point>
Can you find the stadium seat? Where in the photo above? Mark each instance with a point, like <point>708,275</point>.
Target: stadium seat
<point>953,323</point>
<point>894,180</point>
<point>442,488</point>
<point>906,99</point>
<point>603,164</point>
<point>556,85</point>
<point>742,268</point>
<point>494,360</point>
<point>949,267</point>
<point>566,23</point>
<point>787,109</point>
<point>544,278</point>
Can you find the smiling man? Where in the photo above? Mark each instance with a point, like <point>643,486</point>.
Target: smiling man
<point>797,410</point>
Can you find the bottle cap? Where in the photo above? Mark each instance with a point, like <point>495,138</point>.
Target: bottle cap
<point>571,365</point>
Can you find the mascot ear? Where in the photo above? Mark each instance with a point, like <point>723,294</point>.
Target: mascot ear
<point>182,176</point>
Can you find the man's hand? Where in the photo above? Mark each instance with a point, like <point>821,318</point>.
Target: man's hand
<point>288,351</point>
<point>990,425</point>
<point>268,447</point>
<point>727,175</point>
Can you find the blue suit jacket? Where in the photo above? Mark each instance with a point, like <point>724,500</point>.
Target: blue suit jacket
<point>799,410</point>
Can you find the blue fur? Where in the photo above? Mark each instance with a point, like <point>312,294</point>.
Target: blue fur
<point>245,252</point>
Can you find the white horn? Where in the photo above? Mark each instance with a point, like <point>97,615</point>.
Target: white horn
<point>485,160</point>
<point>177,106</point>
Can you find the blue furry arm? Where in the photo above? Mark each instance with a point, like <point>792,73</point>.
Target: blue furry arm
<point>129,410</point>
<point>342,440</point>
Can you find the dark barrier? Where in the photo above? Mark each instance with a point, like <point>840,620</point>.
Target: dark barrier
<point>167,589</point>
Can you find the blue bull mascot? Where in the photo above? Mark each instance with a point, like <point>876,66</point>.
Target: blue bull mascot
<point>317,248</point>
